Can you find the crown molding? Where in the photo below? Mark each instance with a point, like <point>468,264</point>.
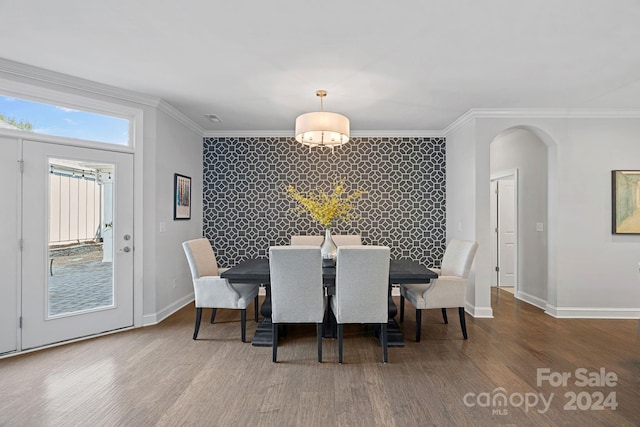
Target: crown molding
<point>39,74</point>
<point>354,134</point>
<point>398,133</point>
<point>539,113</point>
<point>248,133</point>
<point>177,115</point>
<point>556,113</point>
<point>458,123</point>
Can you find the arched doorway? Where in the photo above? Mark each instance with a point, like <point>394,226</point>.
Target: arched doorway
<point>519,152</point>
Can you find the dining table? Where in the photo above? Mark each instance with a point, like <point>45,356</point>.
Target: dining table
<point>256,270</point>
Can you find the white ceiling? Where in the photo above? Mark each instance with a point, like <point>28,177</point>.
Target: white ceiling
<point>390,66</point>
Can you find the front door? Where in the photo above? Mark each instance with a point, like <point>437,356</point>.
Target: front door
<point>77,239</point>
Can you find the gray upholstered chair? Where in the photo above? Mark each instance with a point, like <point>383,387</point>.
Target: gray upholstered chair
<point>362,290</point>
<point>212,291</point>
<point>448,290</point>
<point>297,292</point>
<point>338,239</point>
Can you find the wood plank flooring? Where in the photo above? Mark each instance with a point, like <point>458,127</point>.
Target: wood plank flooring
<point>160,376</point>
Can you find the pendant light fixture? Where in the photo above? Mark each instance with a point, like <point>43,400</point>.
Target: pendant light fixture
<point>322,128</point>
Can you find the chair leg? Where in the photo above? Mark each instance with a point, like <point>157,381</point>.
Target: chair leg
<point>243,324</point>
<point>418,323</point>
<point>274,343</point>
<point>213,315</point>
<point>401,308</point>
<point>340,331</point>
<point>198,318</point>
<point>319,333</point>
<point>444,315</point>
<point>463,322</point>
<point>383,335</point>
<point>255,309</point>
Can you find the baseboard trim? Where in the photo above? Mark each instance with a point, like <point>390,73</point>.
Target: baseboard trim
<point>479,312</point>
<point>592,312</point>
<point>530,299</point>
<point>155,318</point>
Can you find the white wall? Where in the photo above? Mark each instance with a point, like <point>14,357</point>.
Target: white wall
<point>461,205</point>
<point>596,270</point>
<point>522,150</point>
<point>591,273</point>
<point>177,150</point>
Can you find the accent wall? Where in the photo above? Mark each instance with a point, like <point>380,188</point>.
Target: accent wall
<point>246,209</point>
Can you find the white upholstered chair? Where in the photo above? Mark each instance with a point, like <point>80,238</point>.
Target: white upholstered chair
<point>212,291</point>
<point>449,290</point>
<point>297,292</point>
<point>347,239</point>
<point>338,239</point>
<point>362,290</point>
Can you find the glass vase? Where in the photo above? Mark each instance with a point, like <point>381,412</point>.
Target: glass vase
<point>328,249</point>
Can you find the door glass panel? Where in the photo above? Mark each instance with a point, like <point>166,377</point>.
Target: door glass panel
<point>80,265</point>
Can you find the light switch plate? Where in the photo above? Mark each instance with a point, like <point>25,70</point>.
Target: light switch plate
<point>539,226</point>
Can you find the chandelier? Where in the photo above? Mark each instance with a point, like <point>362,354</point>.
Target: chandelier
<point>322,128</point>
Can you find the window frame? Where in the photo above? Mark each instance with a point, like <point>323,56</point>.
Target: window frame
<point>58,98</point>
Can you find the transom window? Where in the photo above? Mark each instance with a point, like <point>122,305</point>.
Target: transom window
<point>49,119</point>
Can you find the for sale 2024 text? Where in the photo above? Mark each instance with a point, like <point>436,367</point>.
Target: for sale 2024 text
<point>595,400</point>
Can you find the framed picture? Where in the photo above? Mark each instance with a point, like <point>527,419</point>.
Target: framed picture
<point>625,190</point>
<point>181,197</point>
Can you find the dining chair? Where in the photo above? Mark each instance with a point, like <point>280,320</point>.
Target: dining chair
<point>347,239</point>
<point>448,290</point>
<point>297,292</point>
<point>362,290</point>
<point>306,240</point>
<point>212,291</point>
<point>338,239</point>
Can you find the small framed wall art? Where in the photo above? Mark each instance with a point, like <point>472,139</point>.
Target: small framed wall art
<point>625,191</point>
<point>181,197</point>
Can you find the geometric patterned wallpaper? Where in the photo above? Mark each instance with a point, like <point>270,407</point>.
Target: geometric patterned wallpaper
<point>246,209</point>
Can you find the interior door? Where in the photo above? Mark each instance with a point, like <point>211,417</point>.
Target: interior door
<point>507,233</point>
<point>77,256</point>
<point>9,236</point>
<point>493,213</point>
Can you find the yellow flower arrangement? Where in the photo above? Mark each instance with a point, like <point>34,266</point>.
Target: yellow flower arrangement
<point>323,207</point>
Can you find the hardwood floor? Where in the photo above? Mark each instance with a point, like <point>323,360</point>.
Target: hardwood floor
<point>160,376</point>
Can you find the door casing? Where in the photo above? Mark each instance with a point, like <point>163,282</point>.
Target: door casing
<point>10,255</point>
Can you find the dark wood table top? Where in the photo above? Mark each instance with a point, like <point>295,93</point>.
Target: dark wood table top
<point>400,271</point>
